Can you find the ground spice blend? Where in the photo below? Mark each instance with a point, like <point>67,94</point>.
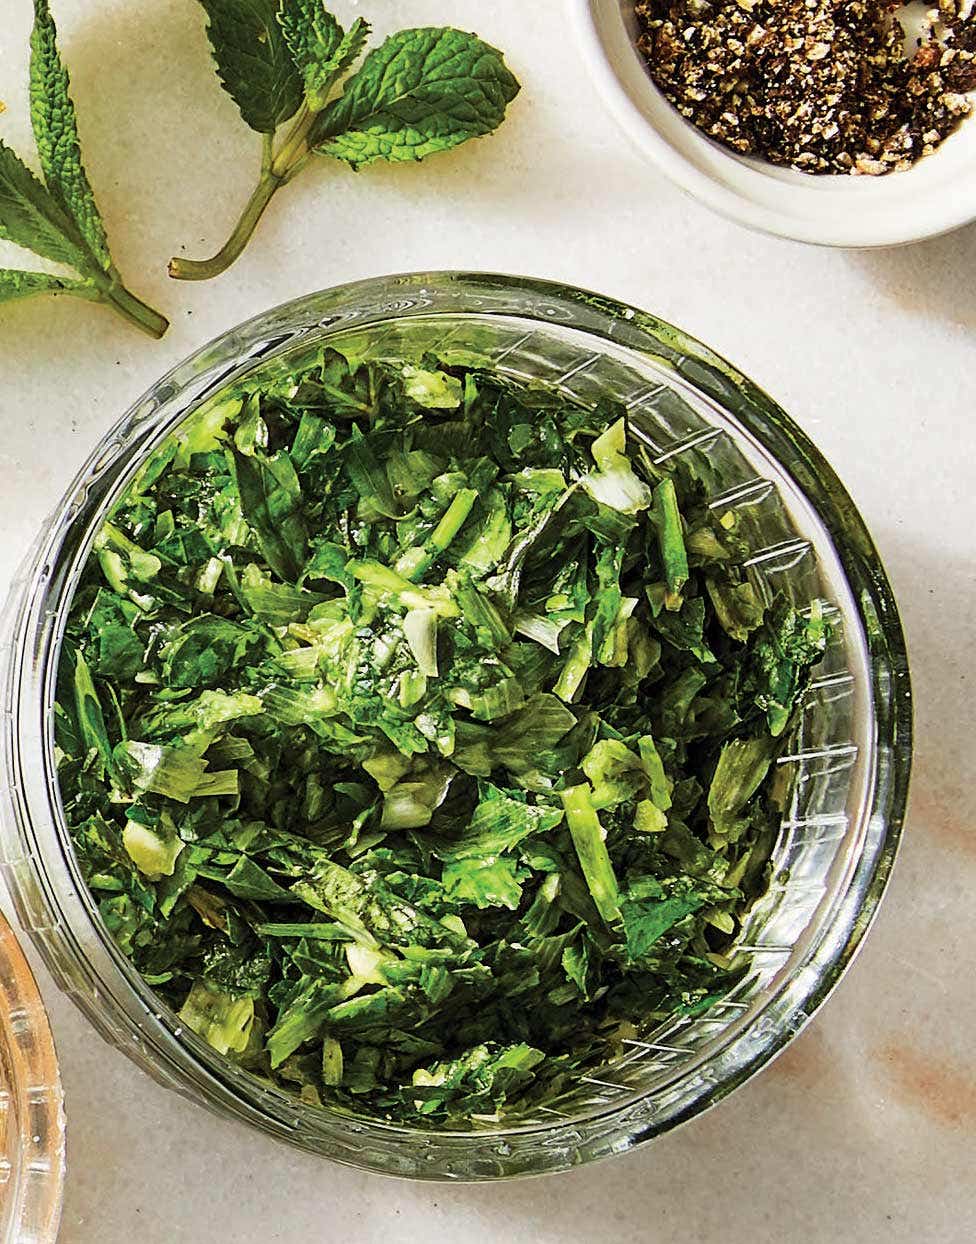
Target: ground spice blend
<point>819,85</point>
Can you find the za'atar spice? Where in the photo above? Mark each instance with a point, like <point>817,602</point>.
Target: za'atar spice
<point>824,86</point>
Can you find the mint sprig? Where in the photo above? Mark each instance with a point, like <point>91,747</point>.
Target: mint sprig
<point>419,92</point>
<point>58,219</point>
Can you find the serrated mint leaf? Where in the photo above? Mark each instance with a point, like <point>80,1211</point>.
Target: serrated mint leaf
<point>253,61</point>
<point>17,284</point>
<point>351,46</point>
<point>311,32</point>
<point>31,217</point>
<point>420,92</point>
<point>56,135</point>
<point>319,46</point>
<point>60,220</point>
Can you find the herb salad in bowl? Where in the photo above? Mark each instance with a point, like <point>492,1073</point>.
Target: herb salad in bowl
<point>474,728</point>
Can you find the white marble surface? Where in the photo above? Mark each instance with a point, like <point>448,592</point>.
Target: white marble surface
<point>866,1129</point>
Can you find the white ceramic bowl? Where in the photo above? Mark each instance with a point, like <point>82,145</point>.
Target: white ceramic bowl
<point>936,195</point>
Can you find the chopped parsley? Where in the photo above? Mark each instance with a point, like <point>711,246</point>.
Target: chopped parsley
<point>416,734</point>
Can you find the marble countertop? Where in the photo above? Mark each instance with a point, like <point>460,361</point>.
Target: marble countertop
<point>865,1129</point>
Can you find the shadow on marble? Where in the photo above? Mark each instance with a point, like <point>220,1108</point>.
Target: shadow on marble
<point>931,278</point>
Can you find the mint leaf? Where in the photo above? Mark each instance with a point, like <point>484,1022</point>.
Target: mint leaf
<point>646,921</point>
<point>483,882</point>
<point>30,216</point>
<point>253,61</point>
<point>420,92</point>
<point>59,221</point>
<point>313,37</point>
<point>351,46</point>
<point>16,284</point>
<point>271,501</point>
<point>56,135</point>
<point>319,46</point>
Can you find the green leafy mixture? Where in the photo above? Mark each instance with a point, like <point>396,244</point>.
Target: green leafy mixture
<point>416,734</point>
<point>420,92</point>
<point>57,218</point>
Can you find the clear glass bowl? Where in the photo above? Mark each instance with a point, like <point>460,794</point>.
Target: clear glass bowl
<point>31,1114</point>
<point>846,771</point>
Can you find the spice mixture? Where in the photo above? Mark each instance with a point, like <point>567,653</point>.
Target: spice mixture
<point>824,86</point>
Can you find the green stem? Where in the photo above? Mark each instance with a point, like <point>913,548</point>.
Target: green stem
<point>671,541</point>
<point>275,172</point>
<point>205,269</point>
<point>588,837</point>
<point>131,308</point>
<point>295,146</point>
<point>453,519</point>
<point>418,559</point>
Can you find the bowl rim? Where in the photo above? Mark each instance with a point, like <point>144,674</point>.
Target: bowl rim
<point>855,230</point>
<point>244,347</point>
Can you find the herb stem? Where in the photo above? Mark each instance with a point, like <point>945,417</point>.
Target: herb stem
<point>204,269</point>
<point>589,839</point>
<point>267,152</point>
<point>295,146</point>
<point>275,172</point>
<point>133,309</point>
<point>671,541</point>
<point>453,519</point>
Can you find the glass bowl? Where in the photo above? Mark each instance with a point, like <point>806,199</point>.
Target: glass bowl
<point>31,1114</point>
<point>846,771</point>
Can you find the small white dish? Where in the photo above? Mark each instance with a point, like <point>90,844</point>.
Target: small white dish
<point>933,197</point>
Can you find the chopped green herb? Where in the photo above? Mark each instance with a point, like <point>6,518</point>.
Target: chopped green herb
<point>383,754</point>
